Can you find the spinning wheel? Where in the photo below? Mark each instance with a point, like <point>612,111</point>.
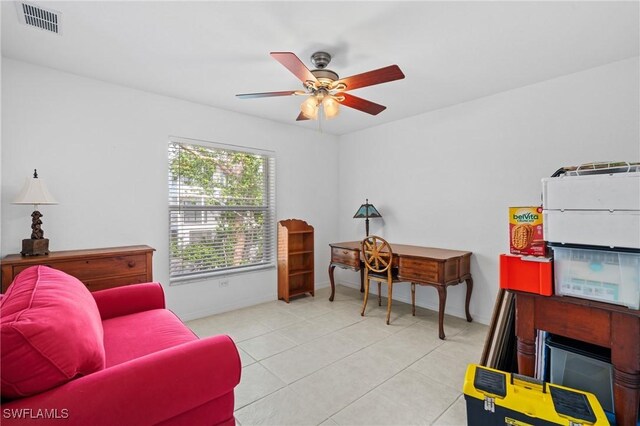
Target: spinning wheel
<point>378,259</point>
<point>377,254</point>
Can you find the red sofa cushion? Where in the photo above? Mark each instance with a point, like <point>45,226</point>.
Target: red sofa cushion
<point>132,336</point>
<point>50,332</point>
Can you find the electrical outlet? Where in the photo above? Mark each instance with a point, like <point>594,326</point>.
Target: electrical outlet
<point>223,283</point>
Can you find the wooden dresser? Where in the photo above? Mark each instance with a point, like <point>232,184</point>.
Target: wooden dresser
<point>96,268</point>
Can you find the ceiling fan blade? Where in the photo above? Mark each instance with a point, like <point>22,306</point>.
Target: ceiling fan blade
<point>382,75</point>
<point>295,65</point>
<point>301,117</point>
<point>269,94</point>
<point>361,104</point>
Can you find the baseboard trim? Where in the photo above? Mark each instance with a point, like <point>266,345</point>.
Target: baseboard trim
<point>243,303</point>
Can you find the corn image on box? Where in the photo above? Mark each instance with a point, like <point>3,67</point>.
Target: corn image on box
<point>525,231</point>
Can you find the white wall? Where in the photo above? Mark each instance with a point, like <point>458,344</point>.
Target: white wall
<point>446,178</point>
<point>442,179</point>
<point>102,150</point>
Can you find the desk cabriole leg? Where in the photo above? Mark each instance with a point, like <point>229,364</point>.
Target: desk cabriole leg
<point>361,279</point>
<point>442,296</point>
<point>333,285</point>
<point>468,299</point>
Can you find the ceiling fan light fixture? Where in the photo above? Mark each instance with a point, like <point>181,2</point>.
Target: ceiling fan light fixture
<point>331,107</point>
<point>325,89</point>
<point>310,108</point>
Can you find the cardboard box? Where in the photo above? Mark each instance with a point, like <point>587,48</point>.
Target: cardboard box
<point>526,231</point>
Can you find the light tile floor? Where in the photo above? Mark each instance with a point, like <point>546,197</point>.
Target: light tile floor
<point>315,362</point>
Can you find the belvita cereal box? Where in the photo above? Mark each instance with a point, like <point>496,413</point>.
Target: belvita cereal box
<point>525,231</point>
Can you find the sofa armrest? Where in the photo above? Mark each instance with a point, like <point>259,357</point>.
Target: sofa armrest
<point>146,390</point>
<point>129,299</point>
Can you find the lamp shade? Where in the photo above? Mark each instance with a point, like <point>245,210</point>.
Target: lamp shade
<point>367,210</point>
<point>310,108</point>
<point>330,106</point>
<point>34,192</point>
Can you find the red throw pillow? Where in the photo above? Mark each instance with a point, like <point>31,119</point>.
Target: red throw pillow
<point>50,332</point>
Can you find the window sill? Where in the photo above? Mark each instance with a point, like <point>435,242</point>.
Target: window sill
<point>219,274</point>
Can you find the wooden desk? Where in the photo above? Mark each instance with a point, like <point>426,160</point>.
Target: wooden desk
<point>434,267</point>
<point>603,324</point>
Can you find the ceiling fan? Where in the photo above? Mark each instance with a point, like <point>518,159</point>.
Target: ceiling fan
<point>325,90</point>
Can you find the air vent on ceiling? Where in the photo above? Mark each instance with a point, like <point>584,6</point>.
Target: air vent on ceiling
<point>36,16</point>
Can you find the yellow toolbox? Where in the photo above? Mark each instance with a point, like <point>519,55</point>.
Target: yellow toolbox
<point>497,398</point>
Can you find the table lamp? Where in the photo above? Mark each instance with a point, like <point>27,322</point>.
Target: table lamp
<point>35,192</point>
<point>367,210</point>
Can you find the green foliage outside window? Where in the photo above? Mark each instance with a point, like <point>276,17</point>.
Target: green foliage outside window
<point>230,189</point>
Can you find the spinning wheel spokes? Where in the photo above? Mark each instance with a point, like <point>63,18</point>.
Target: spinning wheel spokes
<point>377,254</point>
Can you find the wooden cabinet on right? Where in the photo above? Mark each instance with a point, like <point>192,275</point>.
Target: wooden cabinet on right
<point>295,259</point>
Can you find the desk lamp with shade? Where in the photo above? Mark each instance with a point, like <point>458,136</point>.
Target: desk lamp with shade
<point>35,192</point>
<point>366,211</point>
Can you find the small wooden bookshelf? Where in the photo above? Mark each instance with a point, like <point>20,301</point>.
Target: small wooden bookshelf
<point>295,259</point>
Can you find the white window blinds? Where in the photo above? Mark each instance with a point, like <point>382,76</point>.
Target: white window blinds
<point>221,209</point>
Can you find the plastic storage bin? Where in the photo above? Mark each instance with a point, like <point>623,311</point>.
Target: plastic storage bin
<point>607,192</point>
<point>600,209</point>
<point>580,369</point>
<point>524,274</point>
<point>607,276</point>
<point>619,229</point>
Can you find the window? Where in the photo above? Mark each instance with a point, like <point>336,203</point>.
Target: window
<point>221,209</point>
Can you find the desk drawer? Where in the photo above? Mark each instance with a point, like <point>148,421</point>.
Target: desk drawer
<point>419,269</point>
<point>345,257</point>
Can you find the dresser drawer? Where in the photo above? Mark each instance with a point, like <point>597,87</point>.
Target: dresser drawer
<point>419,269</point>
<point>104,283</point>
<point>86,269</point>
<point>345,257</point>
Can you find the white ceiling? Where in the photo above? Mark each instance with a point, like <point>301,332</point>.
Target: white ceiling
<point>206,52</point>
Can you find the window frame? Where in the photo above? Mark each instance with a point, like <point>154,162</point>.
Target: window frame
<point>270,229</point>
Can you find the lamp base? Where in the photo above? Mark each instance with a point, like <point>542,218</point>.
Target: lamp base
<point>35,247</point>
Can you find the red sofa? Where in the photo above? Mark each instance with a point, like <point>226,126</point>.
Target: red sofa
<point>115,356</point>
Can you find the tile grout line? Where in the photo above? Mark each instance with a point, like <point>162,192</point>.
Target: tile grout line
<point>419,321</point>
<point>384,381</point>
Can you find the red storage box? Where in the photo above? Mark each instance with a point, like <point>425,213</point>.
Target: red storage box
<point>523,274</point>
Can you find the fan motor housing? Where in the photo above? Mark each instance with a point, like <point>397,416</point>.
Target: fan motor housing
<point>325,74</point>
<point>320,60</point>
